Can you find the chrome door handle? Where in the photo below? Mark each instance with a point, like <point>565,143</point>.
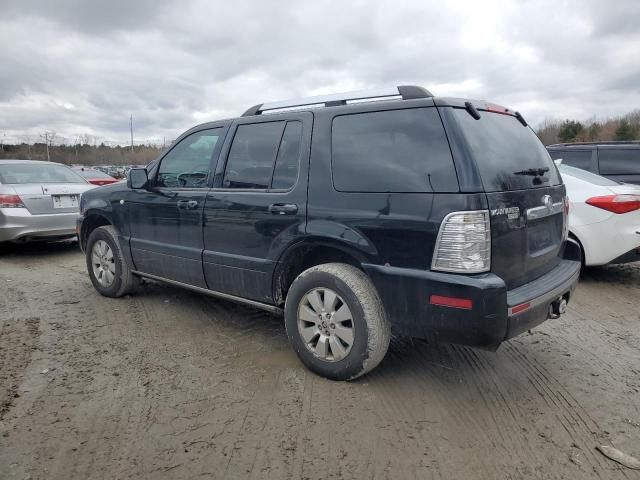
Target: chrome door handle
<point>187,204</point>
<point>283,209</point>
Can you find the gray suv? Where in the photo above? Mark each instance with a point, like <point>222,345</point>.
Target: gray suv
<point>619,161</point>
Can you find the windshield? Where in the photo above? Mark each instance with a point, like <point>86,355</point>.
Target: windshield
<point>509,156</point>
<point>37,173</point>
<point>587,176</point>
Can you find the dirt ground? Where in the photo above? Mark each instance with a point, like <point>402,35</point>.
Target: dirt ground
<point>170,384</point>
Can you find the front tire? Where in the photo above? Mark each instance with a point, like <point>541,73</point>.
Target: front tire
<point>336,322</point>
<point>107,268</point>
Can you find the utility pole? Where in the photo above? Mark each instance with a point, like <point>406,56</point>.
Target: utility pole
<point>131,128</point>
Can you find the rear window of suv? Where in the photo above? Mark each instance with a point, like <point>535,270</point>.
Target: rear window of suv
<point>392,151</point>
<point>619,162</point>
<point>504,150</point>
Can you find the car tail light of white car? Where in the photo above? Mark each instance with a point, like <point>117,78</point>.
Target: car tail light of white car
<point>11,201</point>
<point>616,203</point>
<point>464,243</point>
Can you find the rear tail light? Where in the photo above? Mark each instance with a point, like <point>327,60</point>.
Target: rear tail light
<point>11,201</point>
<point>464,243</point>
<point>616,203</point>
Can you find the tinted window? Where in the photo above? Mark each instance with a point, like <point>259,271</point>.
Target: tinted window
<point>285,172</point>
<point>573,158</point>
<point>587,176</point>
<point>392,151</point>
<point>94,174</point>
<point>37,173</point>
<point>254,148</point>
<point>503,150</point>
<point>619,162</point>
<point>187,164</point>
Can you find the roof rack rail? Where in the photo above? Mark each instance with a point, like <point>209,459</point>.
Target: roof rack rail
<point>406,92</point>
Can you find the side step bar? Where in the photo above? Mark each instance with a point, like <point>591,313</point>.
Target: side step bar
<point>224,296</point>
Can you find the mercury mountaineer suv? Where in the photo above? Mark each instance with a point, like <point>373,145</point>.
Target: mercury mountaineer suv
<point>354,215</point>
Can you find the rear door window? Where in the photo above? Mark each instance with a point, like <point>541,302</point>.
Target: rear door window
<point>264,156</point>
<point>573,158</point>
<point>505,152</point>
<point>392,151</point>
<point>619,162</point>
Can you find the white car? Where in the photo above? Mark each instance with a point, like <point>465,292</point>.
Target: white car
<point>604,217</point>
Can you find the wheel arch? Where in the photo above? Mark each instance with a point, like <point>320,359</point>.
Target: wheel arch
<point>575,237</point>
<point>308,253</point>
<point>91,221</point>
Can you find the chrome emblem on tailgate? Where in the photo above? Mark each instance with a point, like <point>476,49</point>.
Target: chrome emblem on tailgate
<point>547,208</point>
<point>511,212</point>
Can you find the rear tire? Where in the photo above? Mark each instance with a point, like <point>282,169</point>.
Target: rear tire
<point>336,322</point>
<point>107,268</point>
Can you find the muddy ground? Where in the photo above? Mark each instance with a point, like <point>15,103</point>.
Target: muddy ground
<point>170,384</point>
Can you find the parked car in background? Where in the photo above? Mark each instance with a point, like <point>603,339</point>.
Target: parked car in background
<point>619,161</point>
<point>604,217</point>
<point>95,177</point>
<point>352,214</point>
<point>38,200</point>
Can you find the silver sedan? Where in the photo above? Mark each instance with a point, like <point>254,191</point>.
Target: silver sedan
<point>38,200</point>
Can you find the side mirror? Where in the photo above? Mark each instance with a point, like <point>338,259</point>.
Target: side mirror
<point>558,162</point>
<point>138,178</point>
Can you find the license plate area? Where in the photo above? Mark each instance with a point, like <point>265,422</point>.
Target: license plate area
<point>65,201</point>
<point>544,234</point>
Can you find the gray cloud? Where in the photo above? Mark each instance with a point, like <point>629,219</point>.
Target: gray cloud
<point>83,67</point>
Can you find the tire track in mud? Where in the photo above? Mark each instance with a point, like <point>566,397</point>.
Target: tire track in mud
<point>576,422</point>
<point>209,389</point>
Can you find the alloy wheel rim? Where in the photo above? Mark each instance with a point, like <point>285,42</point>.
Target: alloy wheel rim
<point>103,263</point>
<point>325,324</point>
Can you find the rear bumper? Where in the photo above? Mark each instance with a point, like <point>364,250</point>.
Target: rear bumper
<point>18,224</point>
<point>490,313</point>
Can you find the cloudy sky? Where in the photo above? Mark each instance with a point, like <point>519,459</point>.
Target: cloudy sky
<point>76,67</point>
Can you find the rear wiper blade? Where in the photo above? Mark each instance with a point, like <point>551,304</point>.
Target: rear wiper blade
<point>534,172</point>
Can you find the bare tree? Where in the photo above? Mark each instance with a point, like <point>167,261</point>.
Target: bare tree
<point>48,137</point>
<point>27,140</point>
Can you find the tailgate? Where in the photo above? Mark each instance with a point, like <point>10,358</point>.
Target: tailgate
<point>527,232</point>
<point>524,191</point>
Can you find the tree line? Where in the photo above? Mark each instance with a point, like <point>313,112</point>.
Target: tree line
<point>81,153</point>
<point>625,127</point>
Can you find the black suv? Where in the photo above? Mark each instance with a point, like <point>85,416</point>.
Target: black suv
<point>619,161</point>
<point>355,215</point>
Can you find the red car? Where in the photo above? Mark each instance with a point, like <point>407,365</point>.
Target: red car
<point>95,177</point>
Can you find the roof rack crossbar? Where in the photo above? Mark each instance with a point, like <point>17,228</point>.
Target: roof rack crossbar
<point>406,92</point>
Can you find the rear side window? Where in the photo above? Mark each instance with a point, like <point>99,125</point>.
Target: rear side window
<point>392,151</point>
<point>505,151</point>
<point>264,156</point>
<point>285,173</point>
<point>619,162</point>
<point>19,173</point>
<point>573,158</point>
<point>587,176</point>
